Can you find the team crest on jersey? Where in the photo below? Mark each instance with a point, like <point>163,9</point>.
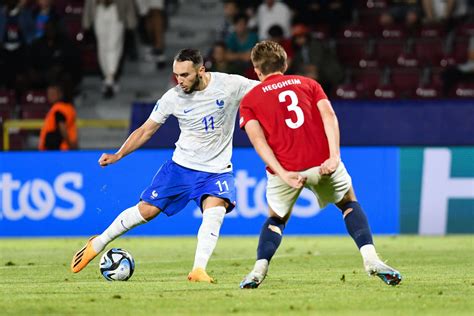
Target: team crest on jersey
<point>220,103</point>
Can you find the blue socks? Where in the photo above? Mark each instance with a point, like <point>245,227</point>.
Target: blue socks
<point>357,224</point>
<point>270,238</point>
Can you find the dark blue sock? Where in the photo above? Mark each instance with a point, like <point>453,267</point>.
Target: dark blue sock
<point>270,238</point>
<point>357,224</point>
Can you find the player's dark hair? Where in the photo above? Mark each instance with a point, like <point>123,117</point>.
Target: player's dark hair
<point>269,57</point>
<point>190,54</point>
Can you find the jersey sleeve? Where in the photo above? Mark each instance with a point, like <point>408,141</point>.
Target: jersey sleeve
<point>247,112</point>
<point>319,93</point>
<point>163,108</point>
<point>243,85</point>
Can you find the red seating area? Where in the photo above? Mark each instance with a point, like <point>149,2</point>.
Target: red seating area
<point>32,104</point>
<point>393,63</point>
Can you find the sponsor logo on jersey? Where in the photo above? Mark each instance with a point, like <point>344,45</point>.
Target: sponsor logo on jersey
<point>187,110</point>
<point>154,194</point>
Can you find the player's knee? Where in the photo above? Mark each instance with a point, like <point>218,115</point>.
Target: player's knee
<point>348,207</point>
<point>276,225</point>
<point>349,197</point>
<point>148,211</point>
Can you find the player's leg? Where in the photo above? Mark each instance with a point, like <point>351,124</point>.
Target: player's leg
<point>213,213</point>
<point>269,240</point>
<point>164,193</point>
<point>358,227</point>
<point>281,199</point>
<point>128,219</point>
<point>215,194</point>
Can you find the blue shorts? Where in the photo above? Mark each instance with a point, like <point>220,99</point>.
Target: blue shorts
<point>173,186</point>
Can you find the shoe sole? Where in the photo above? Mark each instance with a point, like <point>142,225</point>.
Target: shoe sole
<point>190,279</point>
<point>250,285</point>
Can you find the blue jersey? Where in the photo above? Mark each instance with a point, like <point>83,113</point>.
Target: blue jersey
<point>174,186</point>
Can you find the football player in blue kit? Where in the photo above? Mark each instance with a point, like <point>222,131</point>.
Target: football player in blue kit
<point>205,104</point>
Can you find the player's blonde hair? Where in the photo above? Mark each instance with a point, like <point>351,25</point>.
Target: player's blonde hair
<point>269,57</point>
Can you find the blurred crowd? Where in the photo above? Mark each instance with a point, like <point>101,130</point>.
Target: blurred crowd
<point>358,49</point>
<point>337,42</point>
<point>46,41</point>
<point>49,45</point>
<point>382,49</point>
<point>35,48</point>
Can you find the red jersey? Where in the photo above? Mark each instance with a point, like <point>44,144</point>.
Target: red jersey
<point>286,108</point>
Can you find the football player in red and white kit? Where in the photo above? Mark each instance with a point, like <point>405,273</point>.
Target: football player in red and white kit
<point>294,129</point>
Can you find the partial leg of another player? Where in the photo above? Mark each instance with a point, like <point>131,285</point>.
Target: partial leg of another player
<point>128,219</point>
<point>268,243</point>
<point>358,227</point>
<point>281,198</point>
<point>214,210</point>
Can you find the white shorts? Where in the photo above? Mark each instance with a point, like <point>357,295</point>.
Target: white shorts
<point>328,189</point>
<point>146,5</point>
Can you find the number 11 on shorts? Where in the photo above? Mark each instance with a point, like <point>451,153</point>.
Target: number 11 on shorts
<point>222,184</point>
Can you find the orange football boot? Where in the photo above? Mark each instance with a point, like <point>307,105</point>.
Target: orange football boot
<point>83,256</point>
<point>200,275</point>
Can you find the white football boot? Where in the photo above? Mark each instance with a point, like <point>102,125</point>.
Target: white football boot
<point>386,273</point>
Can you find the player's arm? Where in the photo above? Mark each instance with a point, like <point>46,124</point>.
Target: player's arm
<point>331,127</point>
<point>136,139</point>
<point>259,142</point>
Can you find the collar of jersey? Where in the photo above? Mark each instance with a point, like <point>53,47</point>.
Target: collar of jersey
<point>272,77</point>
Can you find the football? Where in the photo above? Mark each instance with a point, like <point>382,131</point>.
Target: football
<point>117,265</point>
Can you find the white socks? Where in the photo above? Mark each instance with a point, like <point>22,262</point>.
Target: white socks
<point>261,267</point>
<point>368,253</point>
<point>125,221</point>
<point>208,234</point>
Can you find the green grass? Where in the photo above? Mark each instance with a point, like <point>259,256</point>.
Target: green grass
<point>308,276</point>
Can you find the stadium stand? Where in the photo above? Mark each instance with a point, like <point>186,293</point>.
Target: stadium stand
<point>381,61</point>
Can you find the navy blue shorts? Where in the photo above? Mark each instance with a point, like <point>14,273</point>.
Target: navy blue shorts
<point>173,186</point>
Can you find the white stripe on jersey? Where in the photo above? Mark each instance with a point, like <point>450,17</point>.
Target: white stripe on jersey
<point>206,119</point>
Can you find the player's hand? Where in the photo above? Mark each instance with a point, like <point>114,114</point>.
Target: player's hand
<point>108,159</point>
<point>329,166</point>
<point>294,179</point>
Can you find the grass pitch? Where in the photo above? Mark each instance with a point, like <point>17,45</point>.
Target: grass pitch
<point>308,276</point>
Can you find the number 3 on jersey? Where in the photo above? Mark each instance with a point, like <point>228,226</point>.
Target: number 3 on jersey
<point>292,107</point>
